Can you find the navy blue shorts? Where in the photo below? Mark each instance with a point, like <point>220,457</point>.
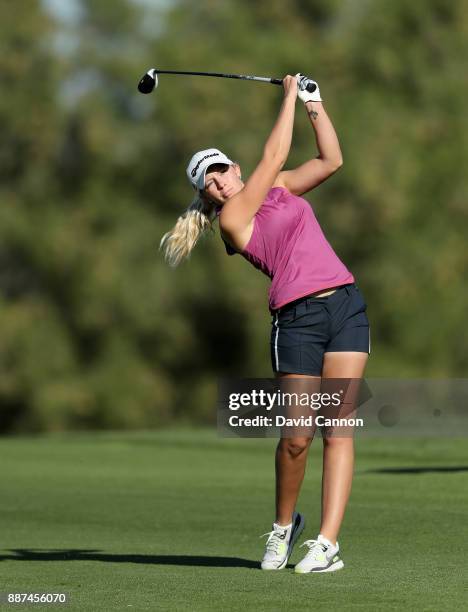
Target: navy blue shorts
<point>303,330</point>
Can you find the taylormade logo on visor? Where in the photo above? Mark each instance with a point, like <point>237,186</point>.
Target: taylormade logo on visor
<point>195,170</point>
<point>200,163</point>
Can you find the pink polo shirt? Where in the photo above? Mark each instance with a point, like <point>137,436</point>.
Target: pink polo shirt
<point>288,245</point>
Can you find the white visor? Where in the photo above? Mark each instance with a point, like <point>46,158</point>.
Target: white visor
<point>200,163</point>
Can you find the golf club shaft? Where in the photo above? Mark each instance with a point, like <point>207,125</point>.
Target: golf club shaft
<point>226,76</point>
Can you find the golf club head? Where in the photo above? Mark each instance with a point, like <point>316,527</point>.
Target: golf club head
<point>148,82</point>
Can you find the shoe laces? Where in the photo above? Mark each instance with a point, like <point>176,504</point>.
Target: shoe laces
<point>275,538</point>
<point>316,548</point>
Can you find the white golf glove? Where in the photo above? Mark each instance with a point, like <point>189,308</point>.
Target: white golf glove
<point>303,94</point>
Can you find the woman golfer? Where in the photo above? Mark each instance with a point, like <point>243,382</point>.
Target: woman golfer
<point>319,325</point>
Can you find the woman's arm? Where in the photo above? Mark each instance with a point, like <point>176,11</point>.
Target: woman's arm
<point>315,171</point>
<point>238,211</point>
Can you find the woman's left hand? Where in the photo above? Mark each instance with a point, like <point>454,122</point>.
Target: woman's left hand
<point>303,94</point>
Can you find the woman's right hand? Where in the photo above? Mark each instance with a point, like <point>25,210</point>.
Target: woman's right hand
<point>290,86</point>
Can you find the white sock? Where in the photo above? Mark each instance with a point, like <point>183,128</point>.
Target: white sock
<point>322,538</point>
<point>283,526</point>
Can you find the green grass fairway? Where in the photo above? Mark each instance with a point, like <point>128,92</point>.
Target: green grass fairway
<point>171,521</point>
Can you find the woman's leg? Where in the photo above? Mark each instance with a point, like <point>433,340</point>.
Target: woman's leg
<point>338,452</point>
<point>291,459</point>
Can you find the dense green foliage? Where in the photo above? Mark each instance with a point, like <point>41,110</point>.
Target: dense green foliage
<point>171,521</point>
<point>95,329</point>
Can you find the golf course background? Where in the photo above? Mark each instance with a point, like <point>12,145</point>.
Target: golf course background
<point>171,521</point>
<point>96,331</point>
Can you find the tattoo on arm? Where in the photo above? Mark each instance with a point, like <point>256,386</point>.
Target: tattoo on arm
<point>312,113</point>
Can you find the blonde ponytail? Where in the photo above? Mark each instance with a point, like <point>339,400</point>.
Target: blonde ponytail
<point>195,221</point>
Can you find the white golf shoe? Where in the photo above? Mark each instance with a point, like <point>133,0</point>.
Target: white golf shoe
<point>280,543</point>
<point>322,557</point>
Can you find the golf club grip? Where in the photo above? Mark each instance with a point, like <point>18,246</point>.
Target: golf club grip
<point>310,86</point>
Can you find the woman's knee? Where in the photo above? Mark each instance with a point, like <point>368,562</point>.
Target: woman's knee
<point>295,446</point>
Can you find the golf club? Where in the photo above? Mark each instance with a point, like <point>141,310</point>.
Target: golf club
<point>150,80</point>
